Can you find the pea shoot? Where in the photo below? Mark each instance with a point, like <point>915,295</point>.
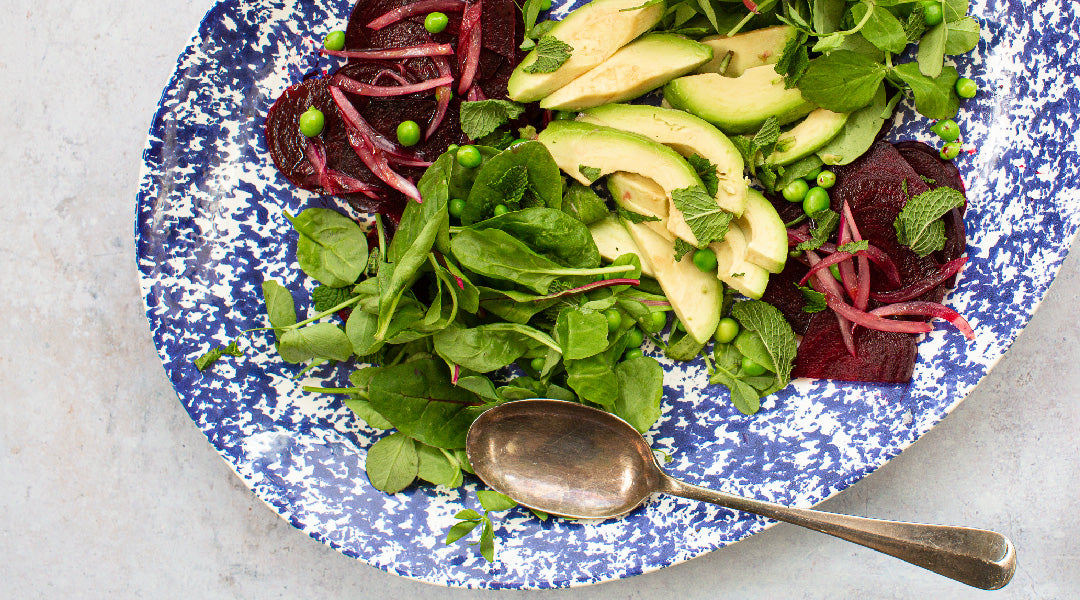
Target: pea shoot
<point>312,122</point>
<point>966,88</point>
<point>469,157</point>
<point>705,260</point>
<point>816,200</point>
<point>796,190</point>
<point>826,179</point>
<point>436,22</point>
<point>335,40</point>
<point>408,133</point>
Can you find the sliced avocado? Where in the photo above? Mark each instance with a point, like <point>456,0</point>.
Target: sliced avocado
<point>732,267</point>
<point>811,133</point>
<point>639,194</point>
<point>636,68</point>
<point>613,240</point>
<point>766,236</point>
<point>695,295</point>
<point>687,135</point>
<point>748,50</point>
<point>738,104</point>
<point>595,32</point>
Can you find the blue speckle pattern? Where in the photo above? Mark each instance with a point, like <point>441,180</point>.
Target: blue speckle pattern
<point>210,228</point>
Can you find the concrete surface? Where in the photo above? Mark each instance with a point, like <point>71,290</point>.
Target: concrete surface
<point>107,489</point>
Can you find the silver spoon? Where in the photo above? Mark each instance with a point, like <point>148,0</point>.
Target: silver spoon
<point>571,460</point>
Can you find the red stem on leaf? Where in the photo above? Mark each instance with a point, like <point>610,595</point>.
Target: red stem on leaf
<point>750,4</point>
<point>393,53</point>
<point>416,8</point>
<point>589,287</point>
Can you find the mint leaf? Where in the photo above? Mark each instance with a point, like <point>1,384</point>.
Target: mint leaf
<point>513,184</point>
<point>915,26</point>
<point>551,53</point>
<point>707,221</point>
<point>745,148</point>
<point>842,81</point>
<point>825,223</point>
<point>590,173</point>
<point>768,322</point>
<point>919,225</point>
<point>681,248</point>
<point>706,171</point>
<point>853,247</point>
<point>634,217</point>
<point>481,117</point>
<point>766,138</point>
<point>325,297</point>
<point>794,60</point>
<point>206,360</point>
<point>815,300</point>
<point>934,98</point>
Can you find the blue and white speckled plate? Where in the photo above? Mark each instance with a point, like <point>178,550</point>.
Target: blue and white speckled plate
<point>210,228</point>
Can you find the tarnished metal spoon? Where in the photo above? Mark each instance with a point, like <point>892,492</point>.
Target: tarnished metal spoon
<point>572,460</point>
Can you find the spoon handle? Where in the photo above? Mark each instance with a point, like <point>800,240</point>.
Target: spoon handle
<point>979,558</point>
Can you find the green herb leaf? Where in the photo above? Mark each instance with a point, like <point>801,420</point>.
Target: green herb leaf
<point>963,36</point>
<point>581,334</point>
<point>682,247</point>
<point>206,360</point>
<point>684,348</point>
<point>934,98</point>
<point>483,348</point>
<point>815,300</point>
<point>775,332</point>
<point>707,221</point>
<point>919,226</point>
<point>318,340</point>
<point>392,463</point>
<point>794,60</point>
<point>280,306</point>
<point>550,232</point>
<point>641,387</point>
<point>593,379</point>
<point>418,398</point>
<point>825,223</point>
<point>590,173</point>
<point>481,117</point>
<point>487,541</point>
<point>882,28</point>
<point>551,53</point>
<point>493,501</point>
<point>931,55</point>
<point>462,529</point>
<point>859,133</point>
<point>513,184</point>
<point>915,26</point>
<point>706,171</point>
<point>827,15</point>
<point>744,397</point>
<point>842,81</point>
<point>634,217</point>
<point>325,297</point>
<point>582,203</point>
<point>765,140</point>
<point>502,174</point>
<point>435,466</point>
<point>853,247</point>
<point>468,514</point>
<point>332,247</point>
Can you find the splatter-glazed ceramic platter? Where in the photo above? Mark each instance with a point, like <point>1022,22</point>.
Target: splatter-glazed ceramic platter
<point>210,228</point>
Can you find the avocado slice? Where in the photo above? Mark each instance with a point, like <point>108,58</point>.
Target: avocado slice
<point>687,135</point>
<point>813,132</point>
<point>695,295</point>
<point>766,236</point>
<point>738,104</point>
<point>613,240</point>
<point>636,68</point>
<point>733,269</point>
<point>594,31</point>
<point>749,49</point>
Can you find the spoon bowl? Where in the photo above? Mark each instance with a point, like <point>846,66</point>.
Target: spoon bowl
<point>571,460</point>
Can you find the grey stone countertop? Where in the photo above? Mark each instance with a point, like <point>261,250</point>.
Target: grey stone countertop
<point>108,490</point>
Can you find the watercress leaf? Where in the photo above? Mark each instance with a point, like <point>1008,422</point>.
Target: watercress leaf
<point>493,182</point>
<point>706,171</point>
<point>683,348</point>
<point>593,379</point>
<point>392,463</point>
<point>493,501</point>
<point>919,225</point>
<point>433,466</point>
<point>744,397</point>
<point>332,248</point>
<point>682,247</point>
<point>551,53</point>
<point>487,541</point>
<point>842,81</point>
<point>318,340</point>
<point>827,15</point>
<point>581,334</point>
<point>280,306</point>
<point>963,36</point>
<point>767,322</point>
<point>934,98</point>
<point>481,117</point>
<point>483,348</point>
<point>418,398</point>
<point>582,203</point>
<point>460,530</point>
<point>590,173</point>
<point>859,133</point>
<point>815,300</point>
<point>707,221</point>
<point>641,387</point>
<point>468,514</point>
<point>882,28</point>
<point>825,223</point>
<point>931,55</point>
<point>550,232</point>
<point>634,217</point>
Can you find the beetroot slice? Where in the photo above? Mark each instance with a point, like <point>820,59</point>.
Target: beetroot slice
<point>883,356</point>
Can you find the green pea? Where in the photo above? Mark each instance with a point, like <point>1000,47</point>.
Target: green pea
<point>726,330</point>
<point>614,319</point>
<point>469,157</point>
<point>545,4</point>
<point>966,88</point>
<point>812,175</point>
<point>499,210</point>
<point>932,13</point>
<point>705,259</point>
<point>751,368</point>
<point>816,200</point>
<point>312,122</point>
<point>335,40</point>
<point>946,129</point>
<point>452,148</point>
<point>826,179</point>
<point>436,22</point>
<point>633,353</point>
<point>835,270</point>
<point>654,322</point>
<point>950,151</point>
<point>634,338</point>
<point>537,363</point>
<point>678,326</point>
<point>456,207</point>
<point>796,190</point>
<point>408,133</point>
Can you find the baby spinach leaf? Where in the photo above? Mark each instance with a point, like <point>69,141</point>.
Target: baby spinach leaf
<point>581,334</point>
<point>467,293</point>
<point>551,53</point>
<point>369,415</point>
<point>919,225</point>
<point>559,393</point>
<point>708,222</point>
<point>360,329</point>
<point>418,398</point>
<point>550,232</point>
<point>593,379</point>
<point>544,180</point>
<point>683,348</point>
<point>280,306</point>
<point>409,251</point>
<point>318,340</point>
<point>495,253</point>
<point>827,15</point>
<point>482,117</point>
<point>332,248</point>
<point>934,98</point>
<point>842,81</point>
<point>481,386</point>
<point>392,463</point>
<point>435,188</point>
<point>641,387</point>
<point>483,348</point>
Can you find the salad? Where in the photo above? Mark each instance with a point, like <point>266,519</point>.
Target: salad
<point>531,228</point>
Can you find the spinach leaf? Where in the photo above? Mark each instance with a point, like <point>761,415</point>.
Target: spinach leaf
<point>418,398</point>
<point>581,334</point>
<point>544,180</point>
<point>641,387</point>
<point>827,15</point>
<point>420,225</point>
<point>495,253</point>
<point>318,340</point>
<point>363,410</point>
<point>392,463</point>
<point>593,379</point>
<point>360,329</point>
<point>550,232</point>
<point>559,393</point>
<point>467,293</point>
<point>434,187</point>
<point>332,248</point>
<point>483,348</point>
